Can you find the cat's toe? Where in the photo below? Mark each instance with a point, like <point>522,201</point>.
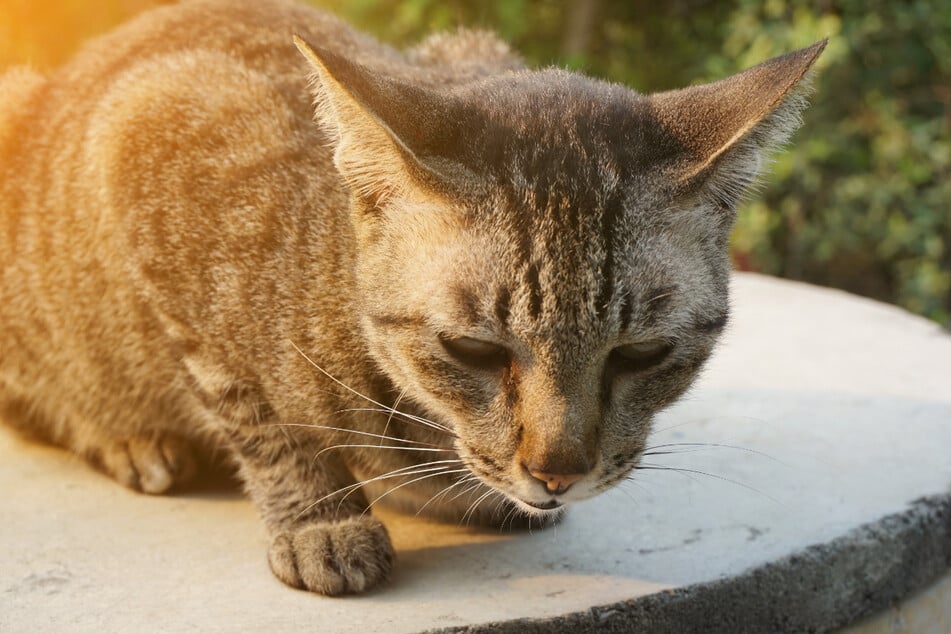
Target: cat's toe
<point>149,464</point>
<point>343,557</point>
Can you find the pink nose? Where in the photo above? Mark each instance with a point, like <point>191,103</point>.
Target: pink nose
<point>556,482</point>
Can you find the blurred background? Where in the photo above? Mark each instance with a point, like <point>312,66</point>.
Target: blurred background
<point>861,200</point>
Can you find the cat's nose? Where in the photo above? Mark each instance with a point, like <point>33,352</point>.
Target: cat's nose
<point>556,483</point>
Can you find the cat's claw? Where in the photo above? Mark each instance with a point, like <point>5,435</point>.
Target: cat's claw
<point>344,557</point>
<point>151,464</point>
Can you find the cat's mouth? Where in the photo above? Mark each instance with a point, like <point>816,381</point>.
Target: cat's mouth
<point>550,505</point>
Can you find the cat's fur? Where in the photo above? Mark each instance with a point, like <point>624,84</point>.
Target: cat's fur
<point>183,246</point>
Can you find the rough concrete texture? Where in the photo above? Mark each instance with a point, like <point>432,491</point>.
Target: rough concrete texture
<point>817,589</point>
<point>820,495</point>
<point>927,611</point>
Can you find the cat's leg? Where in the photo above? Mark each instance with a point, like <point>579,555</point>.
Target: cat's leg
<point>322,537</point>
<point>147,461</point>
<point>151,463</point>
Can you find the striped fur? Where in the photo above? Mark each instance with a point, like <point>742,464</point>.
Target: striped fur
<point>190,261</point>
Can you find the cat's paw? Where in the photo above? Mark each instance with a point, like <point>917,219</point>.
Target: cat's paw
<point>344,557</point>
<point>151,464</point>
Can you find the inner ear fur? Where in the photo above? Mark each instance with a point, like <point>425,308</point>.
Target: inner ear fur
<point>366,118</point>
<point>726,129</point>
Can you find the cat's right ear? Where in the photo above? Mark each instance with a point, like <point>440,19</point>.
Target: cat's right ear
<point>720,133</point>
<point>381,128</point>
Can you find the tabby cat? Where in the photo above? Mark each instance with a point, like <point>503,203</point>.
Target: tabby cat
<point>467,287</point>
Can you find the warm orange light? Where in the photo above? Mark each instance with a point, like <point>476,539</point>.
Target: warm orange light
<point>44,33</point>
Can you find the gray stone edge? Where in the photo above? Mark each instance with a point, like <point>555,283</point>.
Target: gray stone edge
<point>821,588</point>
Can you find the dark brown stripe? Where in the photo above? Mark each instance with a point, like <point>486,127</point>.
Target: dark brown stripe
<point>518,223</point>
<point>503,300</point>
<point>606,294</point>
<point>609,219</point>
<point>468,303</point>
<point>397,321</point>
<point>491,464</point>
<point>534,291</point>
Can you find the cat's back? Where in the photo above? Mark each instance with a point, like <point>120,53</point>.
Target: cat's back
<point>143,89</point>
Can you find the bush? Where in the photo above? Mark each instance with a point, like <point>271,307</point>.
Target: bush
<point>861,200</point>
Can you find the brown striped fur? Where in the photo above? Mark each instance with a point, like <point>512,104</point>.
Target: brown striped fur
<point>183,246</point>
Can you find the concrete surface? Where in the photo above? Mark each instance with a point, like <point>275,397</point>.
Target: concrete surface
<point>927,611</point>
<point>823,496</point>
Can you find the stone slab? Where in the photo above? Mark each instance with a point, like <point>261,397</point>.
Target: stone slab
<point>818,492</point>
<point>927,611</point>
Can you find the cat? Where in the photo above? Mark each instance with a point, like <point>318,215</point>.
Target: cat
<point>430,277</point>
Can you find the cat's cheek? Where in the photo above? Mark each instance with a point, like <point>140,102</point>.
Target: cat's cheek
<point>467,394</point>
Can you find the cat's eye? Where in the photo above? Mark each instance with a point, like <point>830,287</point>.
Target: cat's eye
<point>640,356</point>
<point>476,353</point>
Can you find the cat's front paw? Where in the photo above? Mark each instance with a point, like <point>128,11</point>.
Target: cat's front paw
<point>332,558</point>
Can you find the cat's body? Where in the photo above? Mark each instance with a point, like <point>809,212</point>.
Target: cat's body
<point>535,262</point>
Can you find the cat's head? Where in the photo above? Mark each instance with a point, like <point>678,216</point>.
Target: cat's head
<point>543,256</point>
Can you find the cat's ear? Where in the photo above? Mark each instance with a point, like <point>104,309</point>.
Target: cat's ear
<point>725,130</point>
<point>381,128</point>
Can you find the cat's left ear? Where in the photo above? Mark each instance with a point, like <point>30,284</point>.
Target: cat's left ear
<point>723,131</point>
<point>384,131</point>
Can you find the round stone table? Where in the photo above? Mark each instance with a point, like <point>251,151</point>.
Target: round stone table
<point>818,493</point>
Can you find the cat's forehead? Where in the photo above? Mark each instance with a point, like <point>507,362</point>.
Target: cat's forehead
<point>572,276</point>
<point>558,131</point>
<point>532,100</point>
<point>570,156</point>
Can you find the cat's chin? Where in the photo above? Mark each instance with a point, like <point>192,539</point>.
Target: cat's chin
<point>521,515</point>
<point>516,514</point>
<point>552,510</point>
<point>544,507</point>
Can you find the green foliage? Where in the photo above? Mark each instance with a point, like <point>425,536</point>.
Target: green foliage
<point>862,198</point>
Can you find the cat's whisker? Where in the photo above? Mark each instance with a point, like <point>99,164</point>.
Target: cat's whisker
<point>467,517</point>
<point>414,480</point>
<point>393,410</point>
<point>498,503</point>
<point>470,489</point>
<point>688,472</point>
<point>353,431</point>
<point>718,419</point>
<point>445,491</point>
<point>364,396</point>
<point>661,296</point>
<point>392,447</point>
<point>403,415</point>
<point>629,494</point>
<point>699,446</point>
<point>402,471</point>
<point>508,516</point>
<point>428,473</point>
